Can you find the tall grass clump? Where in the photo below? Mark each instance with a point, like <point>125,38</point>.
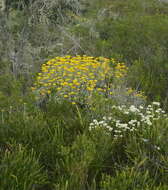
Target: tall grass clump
<point>21,170</point>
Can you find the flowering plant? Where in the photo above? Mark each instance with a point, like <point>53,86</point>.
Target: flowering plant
<point>130,119</point>
<point>77,78</point>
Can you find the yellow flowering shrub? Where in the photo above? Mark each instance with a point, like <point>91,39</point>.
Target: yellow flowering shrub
<point>76,78</point>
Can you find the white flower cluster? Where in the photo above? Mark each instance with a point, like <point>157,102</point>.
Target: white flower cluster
<point>119,122</point>
<point>105,123</point>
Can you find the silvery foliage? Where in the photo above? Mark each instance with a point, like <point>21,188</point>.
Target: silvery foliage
<point>28,36</point>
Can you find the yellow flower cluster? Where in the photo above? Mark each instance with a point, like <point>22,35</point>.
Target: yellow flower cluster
<point>120,70</point>
<point>76,77</point>
<point>135,93</point>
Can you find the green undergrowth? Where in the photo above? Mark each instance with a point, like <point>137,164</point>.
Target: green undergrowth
<point>49,145</point>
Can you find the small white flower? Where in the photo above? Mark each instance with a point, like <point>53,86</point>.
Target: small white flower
<point>141,114</point>
<point>109,118</point>
<point>91,124</point>
<point>101,122</point>
<point>117,131</point>
<point>148,122</point>
<point>145,140</point>
<point>133,109</point>
<point>90,128</point>
<point>132,121</point>
<point>117,121</point>
<point>157,147</point>
<point>141,107</point>
<point>109,128</point>
<point>123,125</point>
<point>114,107</point>
<point>156,103</point>
<point>104,124</point>
<point>95,122</point>
<point>157,111</point>
<point>120,108</point>
<point>148,112</point>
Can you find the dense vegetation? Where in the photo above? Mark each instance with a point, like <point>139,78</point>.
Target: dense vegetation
<point>83,95</point>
